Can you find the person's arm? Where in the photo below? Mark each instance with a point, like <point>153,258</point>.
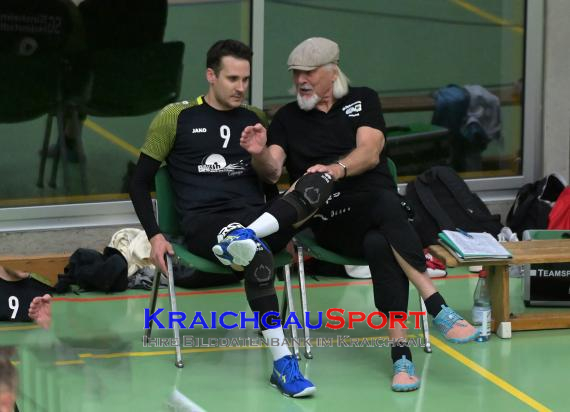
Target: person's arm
<point>267,161</point>
<point>158,144</point>
<point>366,155</point>
<point>139,190</point>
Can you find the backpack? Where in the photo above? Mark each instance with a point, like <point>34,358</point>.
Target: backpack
<point>451,105</point>
<point>533,204</point>
<point>441,200</point>
<point>559,217</point>
<point>92,270</point>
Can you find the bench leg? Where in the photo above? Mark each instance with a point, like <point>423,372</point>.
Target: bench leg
<point>304,305</point>
<point>500,304</point>
<point>504,330</point>
<point>152,304</point>
<point>172,296</point>
<point>77,125</point>
<point>60,152</point>
<point>284,304</point>
<point>44,152</point>
<point>287,272</point>
<point>425,326</point>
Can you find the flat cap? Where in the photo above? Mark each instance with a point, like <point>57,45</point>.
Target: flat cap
<point>312,53</point>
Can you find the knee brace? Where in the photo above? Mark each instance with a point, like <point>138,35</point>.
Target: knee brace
<point>311,192</point>
<point>259,275</point>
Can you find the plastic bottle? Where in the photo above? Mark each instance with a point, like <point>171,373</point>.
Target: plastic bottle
<point>481,313</point>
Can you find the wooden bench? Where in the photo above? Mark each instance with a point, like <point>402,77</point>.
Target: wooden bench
<point>47,265</point>
<point>525,252</point>
<point>508,96</point>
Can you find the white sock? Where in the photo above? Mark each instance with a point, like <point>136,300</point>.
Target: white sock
<point>264,225</point>
<point>275,340</point>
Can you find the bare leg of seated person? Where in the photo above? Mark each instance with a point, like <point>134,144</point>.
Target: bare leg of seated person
<point>453,327</point>
<point>12,275</point>
<point>40,311</point>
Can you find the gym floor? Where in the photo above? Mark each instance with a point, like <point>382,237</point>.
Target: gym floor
<point>92,359</point>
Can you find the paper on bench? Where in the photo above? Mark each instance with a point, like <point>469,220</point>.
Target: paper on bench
<point>477,246</point>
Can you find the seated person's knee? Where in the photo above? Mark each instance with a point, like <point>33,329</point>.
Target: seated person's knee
<point>311,191</point>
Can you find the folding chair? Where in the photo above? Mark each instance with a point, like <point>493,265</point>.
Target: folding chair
<point>306,241</point>
<point>122,82</point>
<point>34,50</point>
<point>168,221</point>
<point>25,100</point>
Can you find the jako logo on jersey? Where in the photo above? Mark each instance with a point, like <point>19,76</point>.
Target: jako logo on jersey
<point>199,130</point>
<point>353,109</point>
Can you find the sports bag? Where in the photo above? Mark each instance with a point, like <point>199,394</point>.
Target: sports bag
<point>441,199</point>
<point>559,218</point>
<point>533,204</point>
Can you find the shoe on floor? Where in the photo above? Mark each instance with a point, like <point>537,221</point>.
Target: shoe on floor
<point>436,273</point>
<point>358,272</point>
<point>405,379</point>
<point>289,380</point>
<point>236,245</point>
<point>453,327</point>
<point>435,267</point>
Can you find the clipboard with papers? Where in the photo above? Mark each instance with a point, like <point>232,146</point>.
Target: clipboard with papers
<point>473,245</point>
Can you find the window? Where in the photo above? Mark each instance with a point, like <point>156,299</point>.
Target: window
<point>106,87</point>
<point>409,51</point>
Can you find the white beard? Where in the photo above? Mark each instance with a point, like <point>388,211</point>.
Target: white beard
<point>308,103</point>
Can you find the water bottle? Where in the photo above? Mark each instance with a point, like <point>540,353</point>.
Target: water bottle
<point>481,313</point>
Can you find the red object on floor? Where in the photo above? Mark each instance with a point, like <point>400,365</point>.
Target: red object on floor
<point>435,267</point>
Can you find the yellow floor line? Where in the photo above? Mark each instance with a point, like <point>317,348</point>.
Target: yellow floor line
<point>487,16</point>
<point>70,362</point>
<point>111,137</point>
<point>12,328</point>
<point>504,385</point>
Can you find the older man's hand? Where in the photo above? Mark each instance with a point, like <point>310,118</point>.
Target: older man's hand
<point>334,169</point>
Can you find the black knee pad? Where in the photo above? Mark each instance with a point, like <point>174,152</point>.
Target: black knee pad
<point>311,192</point>
<point>259,275</point>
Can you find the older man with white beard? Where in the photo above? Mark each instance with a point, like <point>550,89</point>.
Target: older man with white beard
<point>339,130</point>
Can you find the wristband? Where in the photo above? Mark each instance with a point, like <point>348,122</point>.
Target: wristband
<point>338,162</point>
